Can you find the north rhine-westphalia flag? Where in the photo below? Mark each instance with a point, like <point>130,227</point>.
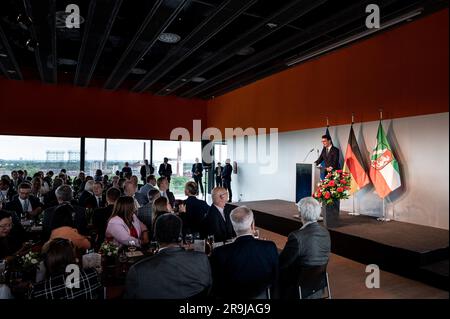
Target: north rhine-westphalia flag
<point>354,164</point>
<point>384,170</point>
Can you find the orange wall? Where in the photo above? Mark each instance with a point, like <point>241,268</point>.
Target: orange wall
<point>32,108</point>
<point>404,71</point>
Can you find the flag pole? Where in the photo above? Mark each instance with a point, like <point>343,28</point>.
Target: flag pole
<point>384,218</point>
<point>353,213</point>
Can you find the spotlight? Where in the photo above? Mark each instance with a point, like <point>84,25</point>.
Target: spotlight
<point>31,45</point>
<point>24,21</point>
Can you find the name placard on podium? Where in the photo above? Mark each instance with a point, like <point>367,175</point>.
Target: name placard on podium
<point>307,177</point>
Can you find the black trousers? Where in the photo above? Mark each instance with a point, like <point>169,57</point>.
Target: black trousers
<point>219,181</point>
<point>198,180</point>
<point>227,185</point>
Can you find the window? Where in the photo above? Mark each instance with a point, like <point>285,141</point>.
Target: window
<point>35,154</point>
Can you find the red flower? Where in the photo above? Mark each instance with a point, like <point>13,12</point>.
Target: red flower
<point>339,171</point>
<point>331,184</point>
<point>328,175</point>
<point>319,194</point>
<point>346,187</point>
<point>327,195</point>
<point>343,181</point>
<point>340,189</point>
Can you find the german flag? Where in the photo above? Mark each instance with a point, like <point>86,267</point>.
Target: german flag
<point>354,164</point>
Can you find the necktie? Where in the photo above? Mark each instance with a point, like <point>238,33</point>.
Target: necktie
<point>25,206</point>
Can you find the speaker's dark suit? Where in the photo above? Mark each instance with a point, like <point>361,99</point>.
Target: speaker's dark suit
<point>245,268</point>
<point>173,273</point>
<point>196,211</point>
<point>226,178</point>
<point>214,224</point>
<point>330,158</point>
<point>165,171</point>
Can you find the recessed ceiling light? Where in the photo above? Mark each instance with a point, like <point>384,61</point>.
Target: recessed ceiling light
<point>183,80</point>
<point>63,61</point>
<point>169,38</point>
<point>138,71</point>
<point>11,71</point>
<point>246,51</point>
<point>272,25</point>
<point>3,55</point>
<point>198,79</point>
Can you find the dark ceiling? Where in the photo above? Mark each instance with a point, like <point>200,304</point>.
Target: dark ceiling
<point>223,44</point>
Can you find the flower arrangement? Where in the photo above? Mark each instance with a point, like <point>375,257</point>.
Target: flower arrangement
<point>335,186</point>
<point>109,249</point>
<point>30,261</point>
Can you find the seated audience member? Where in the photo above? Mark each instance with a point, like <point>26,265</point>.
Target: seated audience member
<point>160,207</point>
<point>64,195</point>
<point>62,226</point>
<point>308,246</point>
<point>59,253</point>
<point>130,189</point>
<point>248,266</point>
<point>98,177</point>
<point>78,183</point>
<point>12,234</point>
<point>124,226</point>
<point>194,210</point>
<point>135,180</point>
<point>48,179</point>
<point>102,215</point>
<point>50,199</point>
<point>7,193</point>
<point>87,198</point>
<point>163,185</point>
<point>36,188</point>
<point>145,212</point>
<point>173,273</point>
<point>15,181</point>
<point>99,196</point>
<point>25,205</point>
<point>105,182</point>
<point>217,221</point>
<point>115,181</point>
<point>151,184</point>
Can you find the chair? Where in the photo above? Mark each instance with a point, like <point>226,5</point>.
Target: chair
<point>313,279</point>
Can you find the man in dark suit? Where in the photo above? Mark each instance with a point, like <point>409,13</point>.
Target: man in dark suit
<point>173,273</point>
<point>197,174</point>
<point>308,246</point>
<point>165,169</point>
<point>146,171</point>
<point>218,175</point>
<point>87,198</point>
<point>193,211</point>
<point>248,267</point>
<point>217,221</point>
<point>101,215</point>
<point>145,213</point>
<point>64,196</point>
<point>226,178</point>
<point>163,185</point>
<point>329,155</point>
<point>25,205</point>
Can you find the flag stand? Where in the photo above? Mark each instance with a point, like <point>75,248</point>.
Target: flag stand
<point>384,218</point>
<point>354,213</point>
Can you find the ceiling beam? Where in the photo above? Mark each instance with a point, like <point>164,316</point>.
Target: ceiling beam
<point>40,28</point>
<point>288,13</point>
<point>8,63</point>
<point>158,19</point>
<point>339,19</point>
<point>224,14</point>
<point>98,25</point>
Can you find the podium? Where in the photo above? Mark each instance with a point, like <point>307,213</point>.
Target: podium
<point>307,177</point>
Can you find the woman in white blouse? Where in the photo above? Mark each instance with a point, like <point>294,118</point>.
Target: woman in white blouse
<point>124,227</point>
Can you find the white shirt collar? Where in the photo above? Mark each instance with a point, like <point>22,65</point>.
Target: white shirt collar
<point>221,211</point>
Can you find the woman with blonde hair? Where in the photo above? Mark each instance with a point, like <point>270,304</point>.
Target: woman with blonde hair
<point>124,227</point>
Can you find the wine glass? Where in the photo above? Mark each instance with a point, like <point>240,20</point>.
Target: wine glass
<point>131,246</point>
<point>154,246</point>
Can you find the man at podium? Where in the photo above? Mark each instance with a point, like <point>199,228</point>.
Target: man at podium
<point>329,155</point>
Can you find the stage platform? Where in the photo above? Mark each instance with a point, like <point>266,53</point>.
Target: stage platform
<point>410,250</point>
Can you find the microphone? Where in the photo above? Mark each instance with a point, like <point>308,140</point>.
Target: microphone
<point>312,150</point>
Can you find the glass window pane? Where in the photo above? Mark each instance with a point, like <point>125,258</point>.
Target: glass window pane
<point>35,153</point>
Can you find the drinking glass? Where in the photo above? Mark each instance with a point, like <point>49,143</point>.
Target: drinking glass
<point>189,239</point>
<point>131,246</point>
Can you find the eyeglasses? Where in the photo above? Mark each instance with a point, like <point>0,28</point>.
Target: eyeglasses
<point>6,226</point>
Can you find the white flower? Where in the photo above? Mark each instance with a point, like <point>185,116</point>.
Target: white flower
<point>34,261</point>
<point>109,253</point>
